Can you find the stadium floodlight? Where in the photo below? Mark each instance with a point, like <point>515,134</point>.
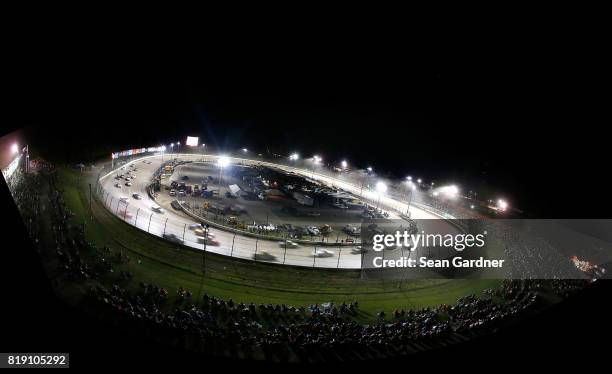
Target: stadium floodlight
<point>344,164</point>
<point>315,160</point>
<point>14,148</point>
<point>294,157</point>
<point>163,148</point>
<point>449,191</point>
<point>409,178</point>
<point>502,204</point>
<point>381,187</point>
<point>419,181</point>
<point>245,150</point>
<point>369,169</point>
<point>223,161</point>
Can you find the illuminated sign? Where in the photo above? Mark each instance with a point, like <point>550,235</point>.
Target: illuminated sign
<point>192,141</point>
<point>136,151</point>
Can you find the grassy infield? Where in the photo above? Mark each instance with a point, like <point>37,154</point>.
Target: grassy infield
<point>164,264</point>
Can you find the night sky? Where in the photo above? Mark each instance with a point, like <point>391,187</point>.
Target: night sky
<point>523,126</point>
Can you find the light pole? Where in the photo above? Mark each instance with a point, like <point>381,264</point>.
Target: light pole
<point>204,251</point>
<point>381,187</point>
<point>410,187</point>
<point>223,161</point>
<point>369,170</point>
<point>27,154</point>
<point>315,160</point>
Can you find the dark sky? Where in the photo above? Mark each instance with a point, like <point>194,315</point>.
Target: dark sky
<point>522,121</point>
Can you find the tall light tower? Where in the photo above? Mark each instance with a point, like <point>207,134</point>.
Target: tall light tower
<point>315,160</point>
<point>222,162</point>
<point>27,154</point>
<point>163,151</point>
<point>369,170</point>
<point>293,158</point>
<point>381,188</point>
<point>410,187</point>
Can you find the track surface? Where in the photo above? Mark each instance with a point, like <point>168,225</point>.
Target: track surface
<point>140,214</point>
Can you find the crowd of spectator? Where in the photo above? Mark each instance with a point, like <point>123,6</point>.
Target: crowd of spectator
<point>530,256</point>
<point>284,330</point>
<point>272,330</point>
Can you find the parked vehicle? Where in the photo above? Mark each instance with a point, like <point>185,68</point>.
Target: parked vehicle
<point>326,229</point>
<point>313,230</point>
<point>353,230</point>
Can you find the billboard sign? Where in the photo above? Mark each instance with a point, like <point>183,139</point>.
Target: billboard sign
<point>192,141</point>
